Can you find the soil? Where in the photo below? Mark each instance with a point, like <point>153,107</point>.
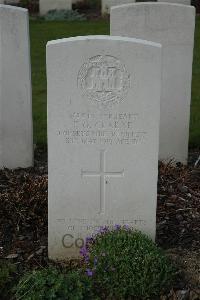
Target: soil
<point>23,219</point>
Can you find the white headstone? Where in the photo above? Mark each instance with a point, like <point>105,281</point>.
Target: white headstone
<point>185,2</point>
<point>107,4</point>
<point>103,128</point>
<point>172,25</point>
<point>47,5</point>
<point>16,140</point>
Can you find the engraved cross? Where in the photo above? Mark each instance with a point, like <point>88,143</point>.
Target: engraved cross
<point>102,174</point>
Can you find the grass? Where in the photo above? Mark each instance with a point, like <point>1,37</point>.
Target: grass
<point>41,32</point>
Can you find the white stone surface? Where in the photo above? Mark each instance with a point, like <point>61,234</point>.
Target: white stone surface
<point>107,4</point>
<point>172,25</point>
<point>16,141</point>
<point>185,2</point>
<point>47,5</point>
<point>103,128</point>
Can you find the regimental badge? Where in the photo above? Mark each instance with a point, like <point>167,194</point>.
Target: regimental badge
<point>104,80</point>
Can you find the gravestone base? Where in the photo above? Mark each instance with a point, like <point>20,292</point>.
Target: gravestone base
<point>47,5</point>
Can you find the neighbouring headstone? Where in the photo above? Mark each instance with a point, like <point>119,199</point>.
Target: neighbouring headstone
<point>47,5</point>
<point>172,25</point>
<point>16,138</point>
<point>185,2</point>
<point>107,4</point>
<point>103,129</point>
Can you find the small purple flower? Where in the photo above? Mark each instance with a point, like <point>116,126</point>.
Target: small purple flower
<point>87,259</point>
<point>117,227</point>
<point>126,226</point>
<point>106,228</point>
<point>89,239</point>
<point>83,251</point>
<point>89,272</point>
<point>102,229</point>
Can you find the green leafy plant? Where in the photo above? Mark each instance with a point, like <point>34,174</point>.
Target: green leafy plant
<point>64,15</point>
<point>125,263</point>
<point>7,273</point>
<point>48,284</point>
